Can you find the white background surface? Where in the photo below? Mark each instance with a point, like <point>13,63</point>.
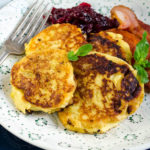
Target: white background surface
<point>4,2</point>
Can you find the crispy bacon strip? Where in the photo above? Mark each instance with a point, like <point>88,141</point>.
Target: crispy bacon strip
<point>125,17</point>
<point>128,21</point>
<point>144,26</point>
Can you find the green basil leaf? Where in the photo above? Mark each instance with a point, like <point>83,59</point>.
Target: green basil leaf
<point>144,63</point>
<point>142,73</point>
<point>84,50</point>
<point>148,65</point>
<point>142,49</point>
<point>72,56</point>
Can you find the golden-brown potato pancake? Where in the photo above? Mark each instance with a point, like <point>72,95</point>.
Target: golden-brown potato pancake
<point>43,81</point>
<point>108,91</point>
<point>110,43</point>
<point>128,37</point>
<point>58,36</point>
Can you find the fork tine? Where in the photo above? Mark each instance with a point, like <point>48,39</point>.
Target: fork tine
<point>23,21</point>
<point>43,23</point>
<point>30,22</point>
<point>33,28</point>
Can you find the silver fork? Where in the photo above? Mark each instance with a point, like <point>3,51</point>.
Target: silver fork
<point>32,23</point>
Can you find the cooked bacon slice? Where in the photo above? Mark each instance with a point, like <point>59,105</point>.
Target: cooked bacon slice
<point>128,21</point>
<point>125,16</point>
<point>144,26</point>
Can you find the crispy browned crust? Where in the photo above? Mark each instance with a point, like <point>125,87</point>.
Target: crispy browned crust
<point>46,78</point>
<point>103,43</point>
<point>91,113</point>
<point>133,40</point>
<point>130,38</point>
<point>100,65</point>
<point>58,36</point>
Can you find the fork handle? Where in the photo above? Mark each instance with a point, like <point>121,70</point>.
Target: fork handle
<point>3,56</point>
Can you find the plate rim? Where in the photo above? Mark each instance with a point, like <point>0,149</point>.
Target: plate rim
<point>28,140</point>
<point>50,147</point>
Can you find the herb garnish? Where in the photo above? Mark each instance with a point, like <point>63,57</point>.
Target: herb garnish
<point>140,54</point>
<point>82,51</point>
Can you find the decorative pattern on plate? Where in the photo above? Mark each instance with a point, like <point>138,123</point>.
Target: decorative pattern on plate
<point>45,130</point>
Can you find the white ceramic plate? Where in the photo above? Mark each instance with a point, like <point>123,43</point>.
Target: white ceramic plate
<point>45,130</point>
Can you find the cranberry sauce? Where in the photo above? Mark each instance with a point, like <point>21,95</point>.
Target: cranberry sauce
<point>84,17</point>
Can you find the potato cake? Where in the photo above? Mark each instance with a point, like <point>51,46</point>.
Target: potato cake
<point>43,81</point>
<point>108,91</point>
<point>112,44</point>
<point>58,36</point>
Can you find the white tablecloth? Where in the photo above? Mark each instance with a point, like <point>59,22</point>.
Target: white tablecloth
<point>4,2</point>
